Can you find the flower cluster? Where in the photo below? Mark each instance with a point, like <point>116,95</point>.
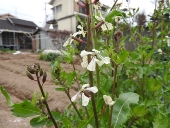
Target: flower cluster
<point>95,58</point>
<point>84,90</point>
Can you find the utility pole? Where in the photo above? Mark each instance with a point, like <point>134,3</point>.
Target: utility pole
<point>16,11</point>
<point>45,13</point>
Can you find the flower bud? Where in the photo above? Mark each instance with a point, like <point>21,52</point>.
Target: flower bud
<point>29,75</point>
<point>41,72</point>
<point>31,70</point>
<point>44,77</point>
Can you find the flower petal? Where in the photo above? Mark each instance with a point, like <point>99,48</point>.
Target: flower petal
<point>92,89</point>
<point>73,98</point>
<point>92,65</point>
<point>109,26</point>
<point>68,42</point>
<point>98,18</point>
<point>85,86</point>
<point>104,28</point>
<point>85,100</point>
<point>108,100</point>
<point>84,53</point>
<point>84,63</point>
<point>100,62</point>
<point>106,60</point>
<point>111,103</point>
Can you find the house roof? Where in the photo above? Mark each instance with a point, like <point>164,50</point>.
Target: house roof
<point>17,25</point>
<point>23,22</point>
<point>4,16</point>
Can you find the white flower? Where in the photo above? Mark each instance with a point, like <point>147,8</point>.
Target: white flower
<point>81,31</point>
<point>89,126</point>
<point>168,41</point>
<point>108,100</point>
<point>85,99</point>
<point>95,58</point>
<point>159,51</point>
<point>105,26</point>
<point>97,6</point>
<point>70,40</point>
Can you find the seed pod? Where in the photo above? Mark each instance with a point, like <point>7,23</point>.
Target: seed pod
<point>99,24</point>
<point>78,39</point>
<point>95,1</point>
<point>44,77</point>
<point>29,75</point>
<point>41,72</point>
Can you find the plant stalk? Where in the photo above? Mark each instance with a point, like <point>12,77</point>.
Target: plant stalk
<point>90,73</point>
<point>45,102</point>
<point>113,93</point>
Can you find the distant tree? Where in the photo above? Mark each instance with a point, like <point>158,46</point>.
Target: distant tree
<point>141,20</point>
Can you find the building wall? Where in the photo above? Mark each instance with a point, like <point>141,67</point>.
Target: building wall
<point>67,8</point>
<point>0,39</point>
<point>68,24</point>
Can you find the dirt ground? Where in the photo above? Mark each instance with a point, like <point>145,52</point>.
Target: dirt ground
<point>14,80</point>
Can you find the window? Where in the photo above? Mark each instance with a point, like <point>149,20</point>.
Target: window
<point>7,38</point>
<point>57,9</point>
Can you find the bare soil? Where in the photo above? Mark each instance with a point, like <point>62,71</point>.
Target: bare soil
<point>14,80</point>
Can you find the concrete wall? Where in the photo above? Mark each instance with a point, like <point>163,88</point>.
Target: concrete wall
<point>68,24</point>
<point>67,8</point>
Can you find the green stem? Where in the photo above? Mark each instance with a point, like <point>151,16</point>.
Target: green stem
<point>113,93</point>
<point>45,102</point>
<point>77,81</point>
<point>68,94</point>
<point>90,73</point>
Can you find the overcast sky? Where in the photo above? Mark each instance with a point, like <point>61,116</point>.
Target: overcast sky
<point>34,10</point>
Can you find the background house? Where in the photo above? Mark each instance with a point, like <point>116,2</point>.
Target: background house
<point>63,16</point>
<point>16,33</point>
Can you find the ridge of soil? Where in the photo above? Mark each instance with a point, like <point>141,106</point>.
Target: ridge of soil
<point>15,81</point>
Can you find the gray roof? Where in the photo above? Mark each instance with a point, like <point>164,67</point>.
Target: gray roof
<point>17,25</point>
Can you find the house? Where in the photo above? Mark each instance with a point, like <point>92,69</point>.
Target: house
<point>16,33</point>
<point>64,14</point>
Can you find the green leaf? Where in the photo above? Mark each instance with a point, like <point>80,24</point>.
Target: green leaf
<point>84,123</point>
<point>25,109</point>
<point>139,111</point>
<point>66,123</point>
<point>8,99</point>
<point>39,121</point>
<point>160,121</point>
<point>109,17</point>
<point>121,108</point>
<point>123,55</point>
